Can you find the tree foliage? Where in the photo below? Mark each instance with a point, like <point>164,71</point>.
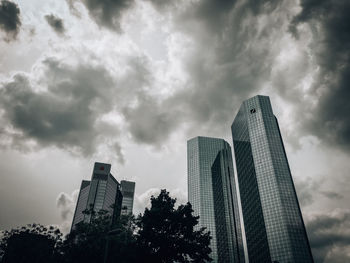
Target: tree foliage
<point>168,234</point>
<point>162,234</point>
<point>87,241</point>
<point>30,243</point>
<point>98,241</point>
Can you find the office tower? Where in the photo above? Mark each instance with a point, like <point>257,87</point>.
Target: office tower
<point>212,193</point>
<point>81,203</point>
<point>128,191</point>
<point>102,192</point>
<point>273,223</point>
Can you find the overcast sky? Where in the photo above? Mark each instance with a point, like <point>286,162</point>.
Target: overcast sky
<point>128,82</point>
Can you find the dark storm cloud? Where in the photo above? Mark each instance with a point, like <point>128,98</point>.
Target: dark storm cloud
<point>332,195</point>
<point>107,13</point>
<point>228,61</point>
<point>306,189</point>
<point>56,23</point>
<point>330,24</point>
<point>212,13</point>
<point>330,237</point>
<point>66,114</point>
<point>150,120</point>
<point>233,56</point>
<point>10,21</point>
<point>261,6</point>
<point>161,5</point>
<point>217,14</point>
<point>309,190</point>
<point>65,106</point>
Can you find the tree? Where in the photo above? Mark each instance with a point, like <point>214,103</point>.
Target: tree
<point>167,234</point>
<point>31,243</point>
<point>86,243</point>
<point>121,244</point>
<point>162,234</point>
<point>99,240</point>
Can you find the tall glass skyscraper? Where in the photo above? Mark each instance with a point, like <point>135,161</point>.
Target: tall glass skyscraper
<point>102,192</point>
<point>212,193</point>
<point>81,203</point>
<point>128,191</point>
<point>273,222</point>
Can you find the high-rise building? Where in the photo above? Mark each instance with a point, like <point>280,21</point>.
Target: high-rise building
<point>81,203</point>
<point>212,193</point>
<point>273,222</point>
<point>128,192</point>
<point>102,192</point>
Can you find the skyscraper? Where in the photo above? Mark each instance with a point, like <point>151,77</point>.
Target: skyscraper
<point>81,203</point>
<point>128,191</point>
<point>102,192</point>
<point>212,193</point>
<point>273,223</point>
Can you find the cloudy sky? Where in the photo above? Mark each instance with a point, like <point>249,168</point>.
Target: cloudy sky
<point>128,82</point>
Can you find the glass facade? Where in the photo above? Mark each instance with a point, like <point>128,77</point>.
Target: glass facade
<point>81,203</point>
<point>212,193</point>
<point>102,192</point>
<point>128,191</point>
<point>274,227</point>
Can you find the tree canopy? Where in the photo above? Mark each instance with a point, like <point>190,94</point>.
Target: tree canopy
<point>99,241</point>
<point>163,234</point>
<point>30,243</point>
<point>167,234</point>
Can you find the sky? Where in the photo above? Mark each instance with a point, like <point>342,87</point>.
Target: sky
<point>128,82</point>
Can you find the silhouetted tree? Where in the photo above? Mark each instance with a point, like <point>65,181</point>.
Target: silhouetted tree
<point>162,234</point>
<point>99,240</point>
<point>121,244</point>
<point>31,243</point>
<point>168,234</point>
